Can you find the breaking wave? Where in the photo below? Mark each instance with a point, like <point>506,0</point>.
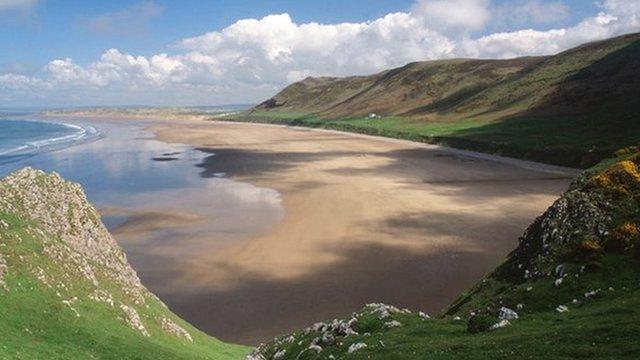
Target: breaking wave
<point>21,139</point>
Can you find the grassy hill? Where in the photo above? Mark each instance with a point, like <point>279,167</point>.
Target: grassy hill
<point>67,291</point>
<point>571,289</point>
<point>572,109</point>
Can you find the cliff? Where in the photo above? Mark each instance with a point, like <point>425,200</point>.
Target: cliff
<point>67,290</point>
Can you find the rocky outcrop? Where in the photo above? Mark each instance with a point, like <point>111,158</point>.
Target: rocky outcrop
<point>171,327</point>
<point>579,225</point>
<point>3,270</point>
<point>62,210</point>
<point>337,332</point>
<point>133,319</point>
<point>597,216</point>
<point>56,215</point>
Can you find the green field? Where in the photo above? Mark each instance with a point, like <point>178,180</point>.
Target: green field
<point>567,141</point>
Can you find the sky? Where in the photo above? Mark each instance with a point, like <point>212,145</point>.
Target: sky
<point>186,53</point>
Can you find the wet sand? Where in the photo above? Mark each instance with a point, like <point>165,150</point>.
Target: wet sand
<point>366,220</point>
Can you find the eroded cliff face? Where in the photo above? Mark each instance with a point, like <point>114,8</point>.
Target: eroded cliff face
<point>54,218</point>
<point>62,210</point>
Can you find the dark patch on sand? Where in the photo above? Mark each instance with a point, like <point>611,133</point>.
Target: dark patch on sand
<point>165,159</point>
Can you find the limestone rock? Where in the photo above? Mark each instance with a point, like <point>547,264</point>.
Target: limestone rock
<point>133,319</point>
<point>171,327</point>
<point>507,314</point>
<point>355,347</point>
<point>3,272</point>
<point>500,324</point>
<point>63,211</point>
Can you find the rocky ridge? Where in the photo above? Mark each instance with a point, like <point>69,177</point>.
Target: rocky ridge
<point>72,235</point>
<point>596,218</point>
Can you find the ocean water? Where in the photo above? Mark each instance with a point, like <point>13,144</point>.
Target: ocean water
<point>127,174</point>
<point>157,200</point>
<point>20,139</point>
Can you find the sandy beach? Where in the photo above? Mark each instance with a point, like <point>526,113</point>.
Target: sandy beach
<point>366,220</point>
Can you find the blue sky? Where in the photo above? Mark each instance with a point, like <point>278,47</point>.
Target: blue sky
<point>64,53</point>
<point>54,28</point>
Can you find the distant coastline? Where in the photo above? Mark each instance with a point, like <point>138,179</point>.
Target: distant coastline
<point>150,113</point>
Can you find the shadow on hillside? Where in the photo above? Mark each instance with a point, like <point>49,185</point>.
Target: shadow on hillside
<point>587,116</point>
<point>609,84</point>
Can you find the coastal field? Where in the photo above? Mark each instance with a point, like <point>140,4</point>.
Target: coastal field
<point>366,220</point>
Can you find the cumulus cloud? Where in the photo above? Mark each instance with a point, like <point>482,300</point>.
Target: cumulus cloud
<point>252,58</point>
<point>133,20</point>
<point>617,17</point>
<point>456,15</point>
<point>275,47</point>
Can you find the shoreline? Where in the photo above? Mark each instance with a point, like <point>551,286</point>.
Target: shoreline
<point>526,164</point>
<point>367,219</point>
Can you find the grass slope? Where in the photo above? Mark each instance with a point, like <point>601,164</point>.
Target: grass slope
<point>573,281</point>
<point>56,303</point>
<point>569,109</point>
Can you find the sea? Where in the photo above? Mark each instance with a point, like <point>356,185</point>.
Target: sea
<point>21,139</point>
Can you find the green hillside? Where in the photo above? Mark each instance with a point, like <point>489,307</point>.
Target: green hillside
<point>67,291</point>
<point>572,109</point>
<point>571,289</point>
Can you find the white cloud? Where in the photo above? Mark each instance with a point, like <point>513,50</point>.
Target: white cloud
<point>274,48</point>
<point>631,7</point>
<point>456,15</point>
<point>252,58</point>
<point>617,17</point>
<point>131,21</point>
<point>21,82</point>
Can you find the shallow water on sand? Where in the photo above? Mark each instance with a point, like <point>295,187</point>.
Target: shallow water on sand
<point>160,206</point>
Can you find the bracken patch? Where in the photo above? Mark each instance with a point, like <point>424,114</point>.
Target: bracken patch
<point>622,178</point>
<point>625,238</point>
